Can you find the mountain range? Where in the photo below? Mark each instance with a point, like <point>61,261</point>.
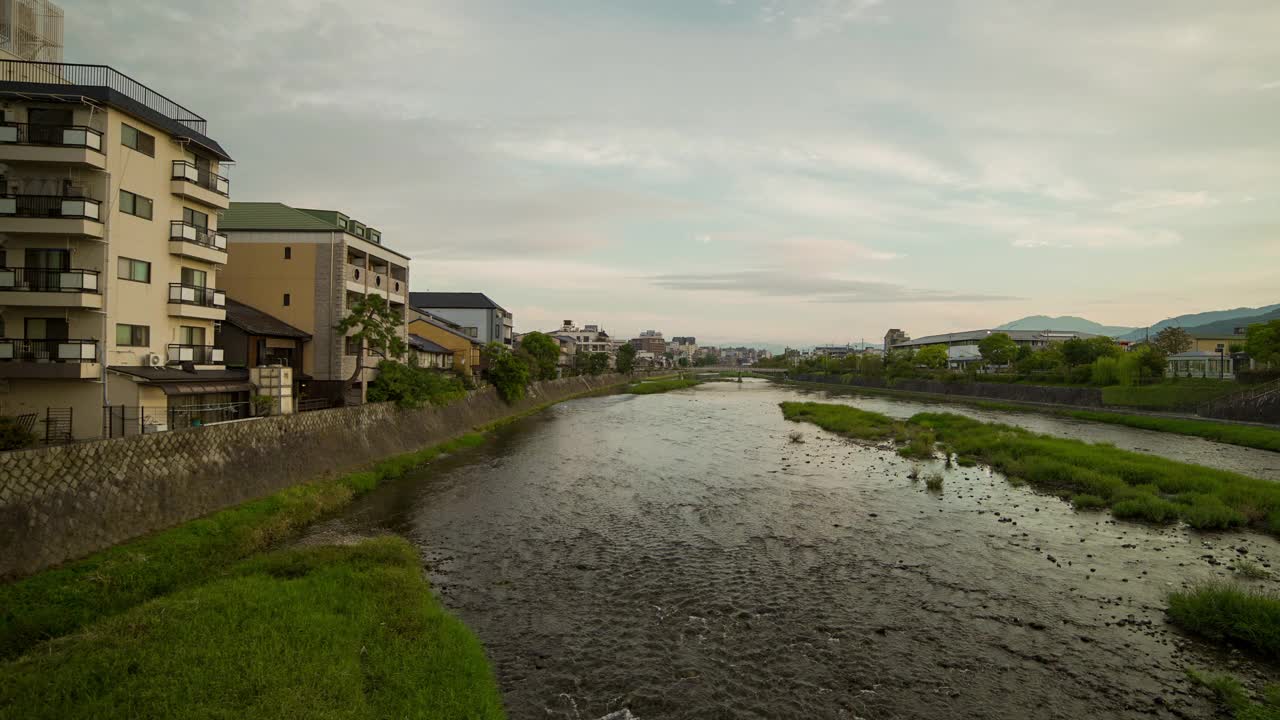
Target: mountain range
<point>1214,322</point>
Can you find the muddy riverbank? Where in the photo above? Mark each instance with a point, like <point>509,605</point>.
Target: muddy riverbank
<point>678,556</point>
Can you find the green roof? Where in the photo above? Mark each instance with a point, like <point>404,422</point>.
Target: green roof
<point>270,216</point>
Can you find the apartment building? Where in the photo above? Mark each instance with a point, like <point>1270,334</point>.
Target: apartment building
<point>109,253</point>
<point>483,319</point>
<point>451,336</point>
<point>307,267</point>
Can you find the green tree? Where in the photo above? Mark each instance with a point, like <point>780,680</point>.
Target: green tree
<point>998,349</point>
<point>683,362</point>
<point>508,371</point>
<point>375,328</point>
<point>1173,340</point>
<point>545,352</point>
<point>1102,346</point>
<point>932,356</point>
<point>626,360</point>
<point>598,363</point>
<point>412,387</point>
<point>1262,342</point>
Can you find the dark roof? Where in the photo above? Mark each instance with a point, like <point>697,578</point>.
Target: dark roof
<point>441,323</point>
<point>422,344</point>
<point>175,374</point>
<point>110,87</point>
<point>270,216</point>
<point>255,322</point>
<point>451,300</point>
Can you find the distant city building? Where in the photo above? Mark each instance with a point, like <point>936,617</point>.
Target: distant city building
<point>894,337</point>
<point>962,347</point>
<point>650,341</point>
<point>835,352</point>
<point>483,319</point>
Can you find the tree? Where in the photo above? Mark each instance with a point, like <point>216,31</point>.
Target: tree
<point>544,351</point>
<point>683,362</point>
<point>375,328</point>
<point>508,371</point>
<point>1173,340</point>
<point>413,387</point>
<point>597,363</point>
<point>626,360</point>
<point>1103,346</point>
<point>932,356</point>
<point>1262,342</point>
<point>998,349</point>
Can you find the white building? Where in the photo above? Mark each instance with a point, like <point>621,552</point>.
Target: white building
<point>481,318</point>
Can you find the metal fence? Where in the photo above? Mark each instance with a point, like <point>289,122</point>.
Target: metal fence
<point>128,420</point>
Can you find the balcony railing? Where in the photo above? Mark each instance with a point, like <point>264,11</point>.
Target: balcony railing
<point>78,136</point>
<point>179,230</point>
<point>50,206</point>
<point>197,354</point>
<point>48,351</point>
<point>100,76</point>
<point>212,181</point>
<point>197,295</point>
<point>19,279</point>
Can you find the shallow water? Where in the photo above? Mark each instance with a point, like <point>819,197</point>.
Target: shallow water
<point>677,556</point>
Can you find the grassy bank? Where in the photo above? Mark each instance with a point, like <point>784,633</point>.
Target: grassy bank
<point>62,600</point>
<point>649,387</point>
<point>1178,395</point>
<point>1132,485</point>
<point>1244,435</point>
<point>1230,613</point>
<point>350,632</point>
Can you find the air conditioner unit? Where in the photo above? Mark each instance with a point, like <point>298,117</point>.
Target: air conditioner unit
<point>152,360</point>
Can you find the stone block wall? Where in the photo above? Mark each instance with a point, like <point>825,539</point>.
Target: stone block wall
<point>64,502</point>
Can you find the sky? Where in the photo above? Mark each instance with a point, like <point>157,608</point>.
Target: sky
<point>783,171</point>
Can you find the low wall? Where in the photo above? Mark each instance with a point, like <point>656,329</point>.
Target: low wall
<point>1081,396</point>
<point>64,502</point>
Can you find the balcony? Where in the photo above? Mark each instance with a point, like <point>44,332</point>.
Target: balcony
<point>69,144</point>
<point>195,354</point>
<point>44,359</point>
<point>201,185</point>
<point>53,214</point>
<point>356,277</point>
<point>38,287</point>
<point>193,301</point>
<point>197,243</point>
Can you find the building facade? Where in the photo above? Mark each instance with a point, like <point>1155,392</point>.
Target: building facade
<point>650,341</point>
<point>111,251</point>
<point>481,318</point>
<point>466,351</point>
<point>308,268</point>
<point>962,347</point>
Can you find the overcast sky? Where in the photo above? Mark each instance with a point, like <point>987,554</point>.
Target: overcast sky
<point>790,171</point>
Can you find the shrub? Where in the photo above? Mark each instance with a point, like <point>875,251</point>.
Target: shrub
<point>508,371</point>
<point>1207,512</point>
<point>1087,502</point>
<point>933,482</point>
<point>1146,507</point>
<point>14,436</point>
<point>413,387</point>
<point>1105,371</point>
<point>1227,612</point>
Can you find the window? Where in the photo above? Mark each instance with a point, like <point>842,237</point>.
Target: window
<point>194,217</point>
<point>136,270</point>
<point>473,332</point>
<point>288,252</point>
<point>194,278</point>
<point>132,137</point>
<point>286,299</point>
<point>133,204</point>
<point>188,335</point>
<point>351,346</point>
<point>132,335</point>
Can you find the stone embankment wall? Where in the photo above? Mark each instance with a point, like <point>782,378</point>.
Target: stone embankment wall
<point>64,502</point>
<point>1259,404</point>
<point>1081,396</point>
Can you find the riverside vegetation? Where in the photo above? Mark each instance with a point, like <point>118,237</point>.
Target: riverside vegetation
<point>649,387</point>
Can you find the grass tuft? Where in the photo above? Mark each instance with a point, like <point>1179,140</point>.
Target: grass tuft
<point>1085,501</point>
<point>350,632</point>
<point>1250,570</point>
<point>650,387</point>
<point>934,482</point>
<point>796,437</point>
<point>1226,612</point>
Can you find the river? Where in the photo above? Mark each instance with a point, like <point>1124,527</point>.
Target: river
<point>677,556</point>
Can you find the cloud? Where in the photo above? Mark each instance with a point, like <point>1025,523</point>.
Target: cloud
<point>1160,199</point>
<point>812,287</point>
<point>1096,237</point>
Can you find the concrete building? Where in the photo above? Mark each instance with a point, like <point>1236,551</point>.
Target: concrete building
<point>109,250</point>
<point>31,30</point>
<point>481,318</point>
<point>466,350</point>
<point>650,341</point>
<point>962,347</point>
<point>588,338</point>
<point>307,268</point>
<point>895,336</point>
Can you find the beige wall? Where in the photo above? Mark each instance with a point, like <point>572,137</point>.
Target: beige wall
<point>466,355</point>
<point>1210,344</point>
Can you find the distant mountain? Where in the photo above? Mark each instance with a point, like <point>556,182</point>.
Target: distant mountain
<point>1197,320</point>
<point>1227,327</point>
<point>1066,322</point>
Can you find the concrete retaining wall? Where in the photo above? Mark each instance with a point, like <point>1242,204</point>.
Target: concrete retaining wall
<point>65,502</point>
<point>1081,396</point>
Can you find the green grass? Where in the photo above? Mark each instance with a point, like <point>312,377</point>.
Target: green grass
<point>934,482</point>
<point>1226,612</point>
<point>1133,485</point>
<point>326,632</point>
<point>1244,435</point>
<point>660,386</point>
<point>1179,395</point>
<point>64,599</point>
<point>1084,501</point>
<point>1231,694</point>
<point>1250,570</point>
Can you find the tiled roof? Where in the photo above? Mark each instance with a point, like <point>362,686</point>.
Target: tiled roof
<point>270,216</point>
<point>255,322</point>
<point>422,344</point>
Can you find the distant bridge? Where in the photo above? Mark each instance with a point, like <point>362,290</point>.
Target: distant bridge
<point>737,368</point>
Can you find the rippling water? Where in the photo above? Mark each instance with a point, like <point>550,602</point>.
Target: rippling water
<point>675,556</point>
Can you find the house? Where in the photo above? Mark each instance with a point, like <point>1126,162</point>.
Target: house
<point>962,347</point>
<point>450,336</point>
<point>109,201</point>
<point>308,267</point>
<point>481,318</point>
<point>1201,364</point>
<point>250,337</point>
<point>427,354</point>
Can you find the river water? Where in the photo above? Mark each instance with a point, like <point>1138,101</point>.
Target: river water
<point>677,556</point>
